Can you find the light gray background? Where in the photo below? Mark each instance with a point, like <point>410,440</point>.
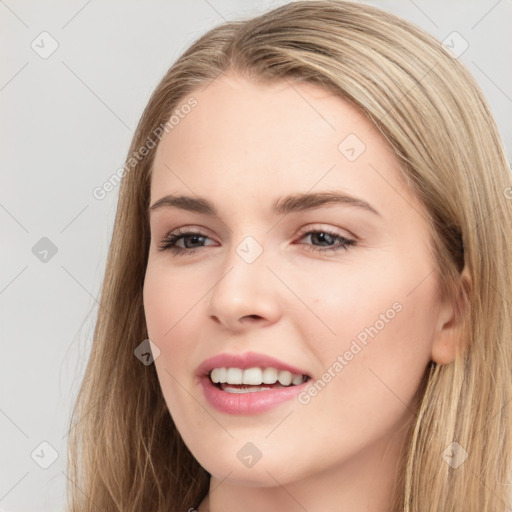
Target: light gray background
<point>67,122</point>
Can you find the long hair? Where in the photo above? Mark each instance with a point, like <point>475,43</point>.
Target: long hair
<point>125,453</point>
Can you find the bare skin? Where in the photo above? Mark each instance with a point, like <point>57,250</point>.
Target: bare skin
<point>242,147</point>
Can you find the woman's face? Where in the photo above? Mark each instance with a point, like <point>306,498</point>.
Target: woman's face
<point>341,291</point>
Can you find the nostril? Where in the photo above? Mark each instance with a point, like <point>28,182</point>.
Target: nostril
<point>252,317</point>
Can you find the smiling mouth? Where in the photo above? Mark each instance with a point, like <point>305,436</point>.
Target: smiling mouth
<point>250,380</point>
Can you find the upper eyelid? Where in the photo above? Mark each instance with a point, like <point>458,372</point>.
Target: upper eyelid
<point>187,231</point>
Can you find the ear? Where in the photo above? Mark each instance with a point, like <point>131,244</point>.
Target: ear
<point>448,336</point>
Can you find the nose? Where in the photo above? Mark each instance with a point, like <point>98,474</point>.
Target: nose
<point>245,295</point>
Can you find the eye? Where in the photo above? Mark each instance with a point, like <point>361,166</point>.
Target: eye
<point>327,237</point>
<point>169,243</point>
<point>190,240</point>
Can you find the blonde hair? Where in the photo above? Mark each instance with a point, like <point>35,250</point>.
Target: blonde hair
<point>125,453</point>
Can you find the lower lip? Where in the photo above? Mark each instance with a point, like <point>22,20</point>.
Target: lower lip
<point>248,403</point>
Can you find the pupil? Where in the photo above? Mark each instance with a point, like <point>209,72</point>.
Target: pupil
<point>194,238</point>
<point>322,236</point>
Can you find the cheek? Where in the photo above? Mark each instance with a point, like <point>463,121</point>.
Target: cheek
<point>368,382</point>
<point>380,324</point>
<point>389,289</point>
<point>167,302</point>
<point>168,310</point>
<point>380,352</point>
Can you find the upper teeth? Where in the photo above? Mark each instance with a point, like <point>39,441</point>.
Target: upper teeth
<point>255,376</point>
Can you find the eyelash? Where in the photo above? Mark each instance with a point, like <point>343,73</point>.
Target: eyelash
<point>169,242</point>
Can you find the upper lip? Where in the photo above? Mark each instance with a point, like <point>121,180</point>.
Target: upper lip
<point>246,360</point>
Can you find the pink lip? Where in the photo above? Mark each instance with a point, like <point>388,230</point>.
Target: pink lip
<point>246,403</point>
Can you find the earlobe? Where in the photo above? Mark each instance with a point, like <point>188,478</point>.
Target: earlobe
<point>449,335</point>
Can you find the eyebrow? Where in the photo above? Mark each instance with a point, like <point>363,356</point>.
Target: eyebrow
<point>281,206</point>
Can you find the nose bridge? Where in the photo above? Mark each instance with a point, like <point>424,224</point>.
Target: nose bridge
<point>245,287</point>
<point>244,268</point>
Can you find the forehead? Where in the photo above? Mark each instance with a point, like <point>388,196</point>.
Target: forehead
<point>260,141</point>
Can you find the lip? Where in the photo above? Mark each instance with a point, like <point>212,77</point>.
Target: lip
<point>247,403</point>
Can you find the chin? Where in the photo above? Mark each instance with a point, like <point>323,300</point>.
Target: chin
<point>260,474</point>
